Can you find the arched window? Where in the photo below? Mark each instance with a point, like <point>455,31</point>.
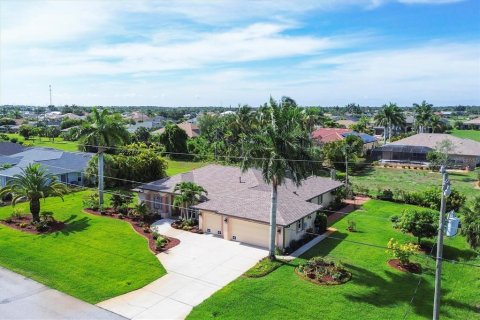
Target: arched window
<point>157,201</point>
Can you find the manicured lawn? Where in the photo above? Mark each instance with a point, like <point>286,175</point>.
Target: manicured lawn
<point>467,134</point>
<point>376,290</point>
<point>94,258</point>
<point>375,178</point>
<point>47,143</point>
<point>176,167</point>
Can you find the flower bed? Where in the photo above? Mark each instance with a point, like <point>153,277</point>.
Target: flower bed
<point>406,267</point>
<point>141,227</point>
<point>25,223</point>
<point>191,226</point>
<point>321,271</point>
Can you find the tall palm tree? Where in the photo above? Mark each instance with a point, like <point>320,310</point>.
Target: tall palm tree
<point>423,115</point>
<point>189,194</point>
<point>389,116</point>
<point>104,131</point>
<point>435,123</point>
<point>281,150</point>
<point>33,184</point>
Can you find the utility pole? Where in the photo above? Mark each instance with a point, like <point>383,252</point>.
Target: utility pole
<point>50,88</point>
<point>438,271</point>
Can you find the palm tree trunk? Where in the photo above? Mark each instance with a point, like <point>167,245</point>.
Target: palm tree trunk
<point>385,131</point>
<point>100,177</point>
<point>35,209</point>
<point>273,222</point>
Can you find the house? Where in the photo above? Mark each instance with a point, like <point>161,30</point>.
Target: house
<point>326,135</point>
<point>138,116</point>
<point>191,129</point>
<point>68,167</point>
<point>472,124</point>
<point>414,149</point>
<point>237,206</point>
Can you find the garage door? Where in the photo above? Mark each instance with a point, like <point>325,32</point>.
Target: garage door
<point>248,232</point>
<point>212,223</point>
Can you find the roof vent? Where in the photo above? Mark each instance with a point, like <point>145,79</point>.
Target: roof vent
<point>240,179</point>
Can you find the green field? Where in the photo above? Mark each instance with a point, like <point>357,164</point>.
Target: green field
<point>176,167</point>
<point>467,134</point>
<point>94,258</point>
<point>59,143</point>
<point>376,290</point>
<point>375,178</point>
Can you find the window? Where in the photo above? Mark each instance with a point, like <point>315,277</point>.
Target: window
<point>234,238</point>
<point>209,231</point>
<point>157,201</point>
<point>219,232</point>
<point>299,225</point>
<point>320,199</point>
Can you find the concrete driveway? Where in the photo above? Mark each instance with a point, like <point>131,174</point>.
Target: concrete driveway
<point>197,267</point>
<point>23,298</point>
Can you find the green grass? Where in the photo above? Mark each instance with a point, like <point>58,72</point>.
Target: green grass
<point>375,178</point>
<point>467,134</point>
<point>262,268</point>
<point>376,290</point>
<point>59,143</point>
<point>94,258</point>
<point>176,167</point>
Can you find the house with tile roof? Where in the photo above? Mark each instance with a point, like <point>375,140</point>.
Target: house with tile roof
<point>191,129</point>
<point>237,206</point>
<point>472,124</point>
<point>414,149</point>
<point>326,135</point>
<point>68,167</point>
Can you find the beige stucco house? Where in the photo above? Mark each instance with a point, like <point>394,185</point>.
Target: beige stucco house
<point>237,206</point>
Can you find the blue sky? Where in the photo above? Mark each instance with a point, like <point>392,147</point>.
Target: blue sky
<point>194,53</point>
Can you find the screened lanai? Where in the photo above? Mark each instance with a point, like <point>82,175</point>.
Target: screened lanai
<point>401,153</point>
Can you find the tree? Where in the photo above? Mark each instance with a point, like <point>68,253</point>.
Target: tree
<point>362,125</point>
<point>175,140</point>
<point>436,124</point>
<point>423,115</point>
<point>471,223</point>
<point>420,223</point>
<point>25,131</point>
<point>33,184</point>
<point>388,116</point>
<point>141,134</point>
<point>104,132</point>
<point>275,148</point>
<point>189,194</point>
<point>440,156</point>
<point>53,132</point>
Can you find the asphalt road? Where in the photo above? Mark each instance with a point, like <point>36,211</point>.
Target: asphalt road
<point>23,298</point>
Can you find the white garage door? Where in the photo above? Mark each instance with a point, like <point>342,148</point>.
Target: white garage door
<point>212,223</point>
<point>248,232</point>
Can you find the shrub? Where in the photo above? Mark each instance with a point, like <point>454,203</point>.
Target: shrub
<point>262,268</point>
<point>91,201</point>
<point>23,225</point>
<point>321,222</point>
<point>46,216</point>
<point>160,242</point>
<point>395,219</point>
<point>41,225</point>
<point>121,199</point>
<point>352,225</point>
<point>14,140</point>
<point>402,252</point>
<point>420,223</point>
<point>386,195</point>
<point>155,235</point>
<point>121,216</point>
<point>324,271</point>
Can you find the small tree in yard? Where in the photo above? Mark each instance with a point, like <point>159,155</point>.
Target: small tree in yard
<point>33,184</point>
<point>420,223</point>
<point>140,210</point>
<point>120,199</point>
<point>471,223</point>
<point>402,251</point>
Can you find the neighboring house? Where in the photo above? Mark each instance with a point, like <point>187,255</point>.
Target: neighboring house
<point>414,149</point>
<point>145,124</point>
<point>472,124</point>
<point>326,135</point>
<point>138,116</point>
<point>237,206</point>
<point>68,167</point>
<point>191,129</point>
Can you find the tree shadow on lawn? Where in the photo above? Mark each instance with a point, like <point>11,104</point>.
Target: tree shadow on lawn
<point>73,225</point>
<point>399,288</point>
<point>326,246</point>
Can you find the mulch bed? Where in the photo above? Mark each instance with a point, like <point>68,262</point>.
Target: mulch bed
<point>54,226</point>
<point>110,213</point>
<point>411,267</point>
<point>194,229</point>
<point>324,281</point>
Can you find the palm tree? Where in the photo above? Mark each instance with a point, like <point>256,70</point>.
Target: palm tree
<point>189,194</point>
<point>471,223</point>
<point>104,131</point>
<point>435,123</point>
<point>389,116</point>
<point>423,115</point>
<point>33,184</point>
<point>280,149</point>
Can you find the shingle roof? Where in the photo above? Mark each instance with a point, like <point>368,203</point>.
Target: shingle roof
<point>430,140</point>
<point>191,129</point>
<point>246,195</point>
<point>473,121</point>
<point>9,148</point>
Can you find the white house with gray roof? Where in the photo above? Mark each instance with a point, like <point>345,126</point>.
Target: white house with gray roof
<point>68,167</point>
<point>237,206</point>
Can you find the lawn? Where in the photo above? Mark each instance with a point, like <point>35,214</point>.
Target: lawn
<point>375,178</point>
<point>59,143</point>
<point>467,134</point>
<point>376,290</point>
<point>176,167</point>
<point>94,258</point>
